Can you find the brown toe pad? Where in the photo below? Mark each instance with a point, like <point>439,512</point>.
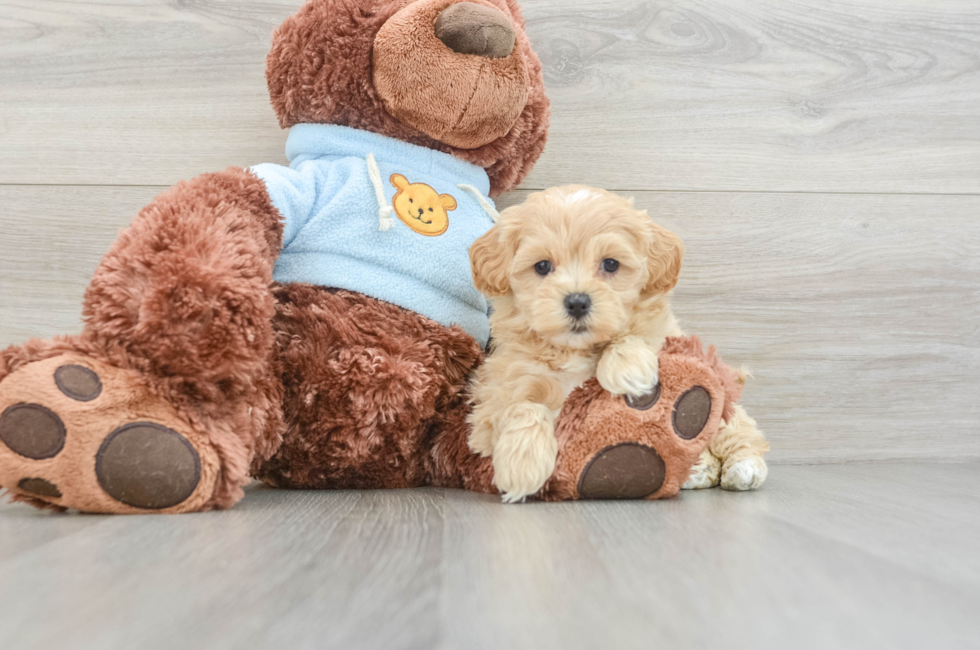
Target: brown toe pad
<point>78,382</point>
<point>147,465</point>
<point>624,471</point>
<point>39,487</point>
<point>691,412</point>
<point>32,430</point>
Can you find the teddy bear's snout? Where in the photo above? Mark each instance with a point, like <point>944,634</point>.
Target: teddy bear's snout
<point>470,28</point>
<point>453,70</point>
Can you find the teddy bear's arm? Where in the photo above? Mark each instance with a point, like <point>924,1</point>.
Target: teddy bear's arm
<point>293,192</point>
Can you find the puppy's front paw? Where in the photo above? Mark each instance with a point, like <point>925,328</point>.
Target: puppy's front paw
<point>629,367</point>
<point>744,474</point>
<point>525,452</point>
<point>705,474</point>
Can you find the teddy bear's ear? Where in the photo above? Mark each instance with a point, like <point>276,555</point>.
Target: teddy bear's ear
<point>489,260</point>
<point>448,202</point>
<point>400,182</point>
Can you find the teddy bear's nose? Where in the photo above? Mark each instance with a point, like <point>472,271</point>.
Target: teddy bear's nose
<point>470,28</point>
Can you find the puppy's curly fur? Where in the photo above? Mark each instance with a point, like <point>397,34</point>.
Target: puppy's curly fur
<point>562,242</point>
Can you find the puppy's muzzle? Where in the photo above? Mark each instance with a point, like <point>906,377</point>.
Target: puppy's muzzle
<point>578,305</point>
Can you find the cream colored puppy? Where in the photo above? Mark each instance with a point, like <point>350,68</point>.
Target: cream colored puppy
<point>579,282</point>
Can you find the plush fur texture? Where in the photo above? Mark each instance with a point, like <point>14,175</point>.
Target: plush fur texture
<point>319,70</point>
<point>181,305</point>
<point>731,380</point>
<point>126,399</point>
<point>366,382</point>
<point>465,101</point>
<point>183,297</point>
<point>593,419</point>
<point>540,352</point>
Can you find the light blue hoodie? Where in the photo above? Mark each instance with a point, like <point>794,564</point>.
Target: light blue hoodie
<point>342,230</point>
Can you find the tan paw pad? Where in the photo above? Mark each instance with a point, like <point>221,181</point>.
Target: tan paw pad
<point>78,433</point>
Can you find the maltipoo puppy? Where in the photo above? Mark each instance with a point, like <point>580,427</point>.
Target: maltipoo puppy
<point>579,283</point>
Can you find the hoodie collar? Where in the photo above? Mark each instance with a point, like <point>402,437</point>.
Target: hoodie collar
<point>329,141</point>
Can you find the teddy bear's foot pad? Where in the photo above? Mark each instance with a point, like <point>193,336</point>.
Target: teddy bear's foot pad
<point>39,487</point>
<point>146,465</point>
<point>32,431</point>
<point>78,433</point>
<point>627,470</point>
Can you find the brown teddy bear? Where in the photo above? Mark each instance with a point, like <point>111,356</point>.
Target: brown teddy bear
<point>281,323</point>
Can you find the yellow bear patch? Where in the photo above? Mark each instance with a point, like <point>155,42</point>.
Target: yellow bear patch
<point>420,207</point>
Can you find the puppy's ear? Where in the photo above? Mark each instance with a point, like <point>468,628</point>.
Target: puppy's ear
<point>489,259</point>
<point>664,256</point>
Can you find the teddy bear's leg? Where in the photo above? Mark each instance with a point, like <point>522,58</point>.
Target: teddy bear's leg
<point>366,384</point>
<point>451,463</point>
<point>171,390</point>
<point>618,447</point>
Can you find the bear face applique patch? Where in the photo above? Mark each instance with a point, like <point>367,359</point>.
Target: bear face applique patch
<point>420,207</point>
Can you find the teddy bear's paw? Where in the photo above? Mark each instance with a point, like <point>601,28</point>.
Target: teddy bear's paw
<point>78,433</point>
<point>706,473</point>
<point>629,367</point>
<point>641,447</point>
<point>744,473</point>
<point>525,451</point>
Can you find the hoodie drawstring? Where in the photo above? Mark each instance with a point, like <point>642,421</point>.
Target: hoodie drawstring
<point>489,209</point>
<point>385,222</point>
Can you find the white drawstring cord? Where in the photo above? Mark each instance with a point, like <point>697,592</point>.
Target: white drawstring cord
<point>385,222</point>
<point>489,209</point>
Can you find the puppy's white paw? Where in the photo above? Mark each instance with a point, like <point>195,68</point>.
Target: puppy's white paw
<point>629,367</point>
<point>705,474</point>
<point>744,474</point>
<point>525,452</point>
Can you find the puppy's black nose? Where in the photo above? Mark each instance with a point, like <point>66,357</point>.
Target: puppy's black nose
<point>578,305</point>
<point>470,28</point>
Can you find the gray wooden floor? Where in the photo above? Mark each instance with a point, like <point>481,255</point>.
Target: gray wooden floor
<point>859,555</point>
<point>821,160</point>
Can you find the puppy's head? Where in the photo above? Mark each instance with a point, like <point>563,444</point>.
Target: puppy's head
<point>572,264</point>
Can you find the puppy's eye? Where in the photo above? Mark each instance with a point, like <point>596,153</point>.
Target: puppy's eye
<point>430,209</point>
<point>411,201</point>
<point>610,265</point>
<point>543,267</point>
